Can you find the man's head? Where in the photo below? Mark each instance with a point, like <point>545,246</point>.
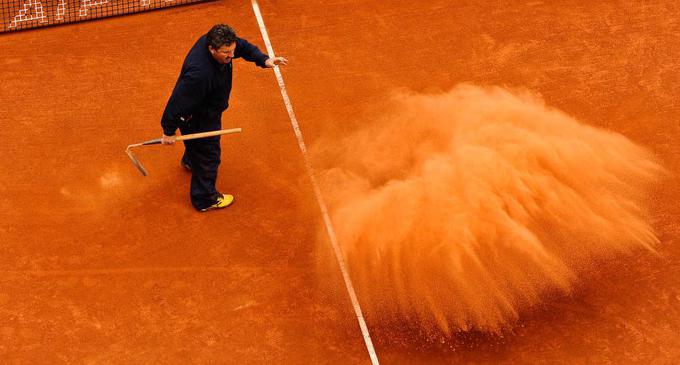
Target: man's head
<point>222,43</point>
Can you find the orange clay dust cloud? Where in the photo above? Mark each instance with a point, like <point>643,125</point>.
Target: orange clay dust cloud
<point>461,210</point>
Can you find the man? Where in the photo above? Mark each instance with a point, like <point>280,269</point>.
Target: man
<point>200,96</point>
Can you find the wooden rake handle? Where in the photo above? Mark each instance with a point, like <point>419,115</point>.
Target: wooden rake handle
<point>180,138</point>
<point>208,134</point>
<point>194,136</point>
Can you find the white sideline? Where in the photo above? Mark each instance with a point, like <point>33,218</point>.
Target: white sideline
<point>317,192</point>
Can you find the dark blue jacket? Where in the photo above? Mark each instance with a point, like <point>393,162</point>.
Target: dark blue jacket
<point>202,90</point>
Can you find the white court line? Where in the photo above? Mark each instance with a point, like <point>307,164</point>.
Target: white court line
<point>317,192</point>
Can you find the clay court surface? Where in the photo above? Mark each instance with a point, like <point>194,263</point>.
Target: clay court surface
<point>99,265</point>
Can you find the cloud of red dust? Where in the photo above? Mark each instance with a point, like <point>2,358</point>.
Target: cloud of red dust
<point>460,210</point>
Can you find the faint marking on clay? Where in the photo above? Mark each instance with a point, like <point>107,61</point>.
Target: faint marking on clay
<point>122,271</point>
<point>110,179</point>
<point>247,304</point>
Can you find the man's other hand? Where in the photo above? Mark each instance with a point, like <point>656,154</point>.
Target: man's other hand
<point>276,61</point>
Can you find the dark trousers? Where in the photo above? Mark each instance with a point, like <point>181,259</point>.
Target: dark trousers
<point>203,156</point>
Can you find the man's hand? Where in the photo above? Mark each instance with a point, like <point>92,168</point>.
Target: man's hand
<point>167,139</point>
<point>276,61</point>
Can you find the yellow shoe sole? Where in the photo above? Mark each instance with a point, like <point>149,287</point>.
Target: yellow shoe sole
<point>222,202</point>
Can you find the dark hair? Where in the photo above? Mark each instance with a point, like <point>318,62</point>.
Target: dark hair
<point>221,35</point>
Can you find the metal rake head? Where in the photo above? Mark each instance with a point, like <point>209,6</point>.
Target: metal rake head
<point>134,159</point>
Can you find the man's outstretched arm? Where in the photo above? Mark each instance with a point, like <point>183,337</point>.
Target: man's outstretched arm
<point>250,52</point>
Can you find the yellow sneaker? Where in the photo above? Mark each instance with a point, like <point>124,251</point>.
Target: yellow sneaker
<point>222,202</point>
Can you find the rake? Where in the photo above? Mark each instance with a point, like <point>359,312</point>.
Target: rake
<point>185,137</point>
